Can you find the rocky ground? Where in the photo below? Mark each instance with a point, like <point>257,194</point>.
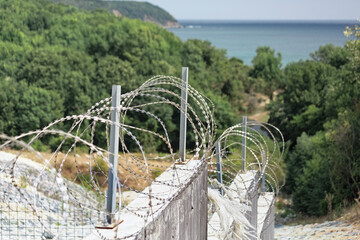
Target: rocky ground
<point>288,224</point>
<point>328,230</point>
<point>37,204</point>
<point>345,227</point>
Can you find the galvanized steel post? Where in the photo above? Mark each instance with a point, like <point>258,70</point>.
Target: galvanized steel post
<point>263,166</point>
<point>243,152</point>
<point>113,155</point>
<point>184,98</point>
<point>219,165</point>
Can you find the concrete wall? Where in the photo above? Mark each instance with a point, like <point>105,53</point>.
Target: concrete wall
<point>185,217</point>
<point>252,196</point>
<point>245,187</point>
<point>266,216</point>
<point>178,213</point>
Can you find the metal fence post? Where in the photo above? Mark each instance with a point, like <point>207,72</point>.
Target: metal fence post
<point>219,166</point>
<point>113,156</point>
<point>184,98</point>
<point>263,165</point>
<point>243,151</point>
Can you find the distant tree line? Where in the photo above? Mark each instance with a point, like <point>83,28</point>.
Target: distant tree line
<point>131,9</point>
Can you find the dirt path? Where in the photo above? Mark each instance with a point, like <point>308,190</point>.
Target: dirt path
<point>260,117</point>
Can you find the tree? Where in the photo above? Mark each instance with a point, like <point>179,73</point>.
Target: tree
<point>301,107</point>
<point>25,108</point>
<point>268,67</point>
<point>111,70</point>
<point>312,187</point>
<point>323,98</point>
<point>296,160</point>
<point>50,51</point>
<point>343,137</point>
<point>329,54</point>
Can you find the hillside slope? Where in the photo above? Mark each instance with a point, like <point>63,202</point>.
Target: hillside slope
<point>138,10</point>
<point>57,60</point>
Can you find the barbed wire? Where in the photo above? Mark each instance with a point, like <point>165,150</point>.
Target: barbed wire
<point>241,184</point>
<point>63,181</point>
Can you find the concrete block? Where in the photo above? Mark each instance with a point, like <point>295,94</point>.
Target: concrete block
<point>184,217</point>
<point>266,216</point>
<point>244,187</point>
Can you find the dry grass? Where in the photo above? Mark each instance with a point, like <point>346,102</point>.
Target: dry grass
<point>76,166</point>
<point>256,106</point>
<point>303,220</point>
<point>350,215</point>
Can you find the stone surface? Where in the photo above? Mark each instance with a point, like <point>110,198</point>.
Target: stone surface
<point>38,211</point>
<point>327,230</point>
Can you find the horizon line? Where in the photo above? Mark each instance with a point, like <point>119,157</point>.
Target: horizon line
<point>278,20</point>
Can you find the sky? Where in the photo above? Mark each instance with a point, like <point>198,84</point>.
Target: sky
<point>261,9</point>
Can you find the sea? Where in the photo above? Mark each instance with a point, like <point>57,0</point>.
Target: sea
<point>295,40</point>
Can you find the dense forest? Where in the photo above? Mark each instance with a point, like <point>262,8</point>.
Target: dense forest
<point>57,60</point>
<point>139,10</point>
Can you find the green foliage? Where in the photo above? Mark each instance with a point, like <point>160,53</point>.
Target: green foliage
<point>329,54</point>
<point>131,9</point>
<point>156,173</point>
<point>308,173</point>
<point>24,108</point>
<point>308,121</point>
<point>40,146</point>
<point>353,45</point>
<point>319,113</point>
<point>312,185</point>
<point>85,180</point>
<point>301,107</point>
<point>224,115</point>
<point>101,166</point>
<point>296,160</point>
<point>56,60</point>
<point>111,70</point>
<point>23,182</point>
<point>267,66</point>
<point>343,135</point>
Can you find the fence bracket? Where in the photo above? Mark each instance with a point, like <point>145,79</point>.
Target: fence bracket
<point>110,226</point>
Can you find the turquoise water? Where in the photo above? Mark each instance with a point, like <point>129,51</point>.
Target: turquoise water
<point>294,40</point>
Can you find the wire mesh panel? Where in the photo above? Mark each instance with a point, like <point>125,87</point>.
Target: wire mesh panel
<point>41,208</point>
